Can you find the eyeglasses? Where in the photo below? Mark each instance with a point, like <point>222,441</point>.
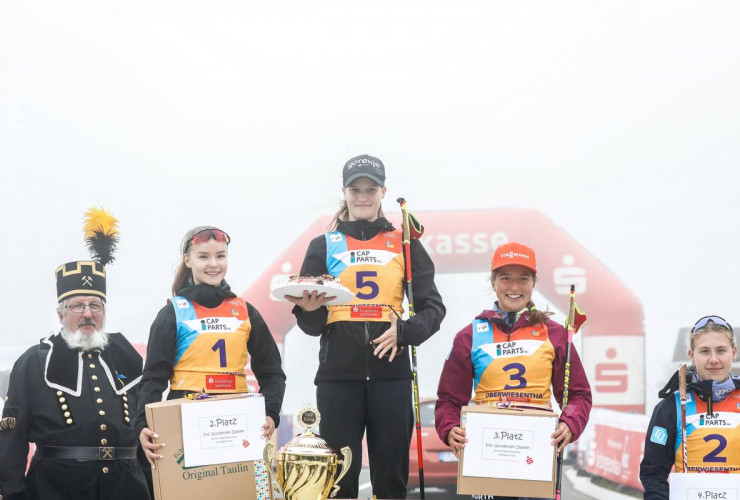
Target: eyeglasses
<point>206,235</point>
<point>714,319</point>
<point>95,307</point>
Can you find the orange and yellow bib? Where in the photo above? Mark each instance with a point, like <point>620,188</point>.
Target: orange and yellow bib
<point>373,270</point>
<point>712,440</point>
<point>211,346</point>
<point>515,367</point>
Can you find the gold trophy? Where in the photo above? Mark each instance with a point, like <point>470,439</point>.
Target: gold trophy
<point>306,466</point>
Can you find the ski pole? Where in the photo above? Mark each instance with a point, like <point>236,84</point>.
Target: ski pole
<point>571,321</point>
<point>410,294</point>
<point>682,395</point>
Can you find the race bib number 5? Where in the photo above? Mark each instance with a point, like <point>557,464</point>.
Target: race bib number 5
<point>363,280</point>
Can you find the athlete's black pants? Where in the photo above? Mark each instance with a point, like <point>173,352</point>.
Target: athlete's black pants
<point>385,409</point>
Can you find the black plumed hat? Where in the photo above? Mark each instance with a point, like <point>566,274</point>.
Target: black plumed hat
<point>87,277</point>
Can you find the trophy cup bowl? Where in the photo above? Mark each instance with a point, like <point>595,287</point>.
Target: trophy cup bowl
<point>306,466</point>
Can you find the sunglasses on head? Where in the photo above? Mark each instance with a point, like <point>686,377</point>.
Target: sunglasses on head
<point>714,319</point>
<point>205,235</point>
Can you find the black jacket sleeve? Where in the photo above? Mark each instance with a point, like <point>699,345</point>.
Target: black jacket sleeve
<point>314,264</point>
<point>429,311</point>
<point>160,354</point>
<point>658,458</point>
<point>266,364</point>
<point>14,440</point>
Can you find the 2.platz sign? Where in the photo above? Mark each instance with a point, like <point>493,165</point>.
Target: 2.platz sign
<point>613,343</point>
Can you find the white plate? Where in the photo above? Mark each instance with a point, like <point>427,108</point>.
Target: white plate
<point>343,295</point>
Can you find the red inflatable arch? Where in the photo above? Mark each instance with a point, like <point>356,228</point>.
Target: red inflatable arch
<point>463,241</point>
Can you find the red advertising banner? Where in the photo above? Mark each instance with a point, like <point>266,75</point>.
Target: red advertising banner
<point>617,455</point>
<point>613,445</point>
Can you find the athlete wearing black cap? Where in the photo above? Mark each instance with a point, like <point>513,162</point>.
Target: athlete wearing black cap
<point>364,377</point>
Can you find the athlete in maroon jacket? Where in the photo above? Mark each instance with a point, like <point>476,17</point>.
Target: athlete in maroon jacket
<point>456,381</point>
<point>514,354</point>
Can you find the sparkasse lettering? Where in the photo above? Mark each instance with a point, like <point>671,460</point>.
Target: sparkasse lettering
<point>463,243</point>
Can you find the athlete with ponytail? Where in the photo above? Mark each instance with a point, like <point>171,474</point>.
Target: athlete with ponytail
<point>712,413</point>
<point>204,335</point>
<point>364,377</point>
<point>505,369</point>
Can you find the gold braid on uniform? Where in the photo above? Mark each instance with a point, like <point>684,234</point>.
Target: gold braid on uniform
<point>7,423</point>
<point>101,235</point>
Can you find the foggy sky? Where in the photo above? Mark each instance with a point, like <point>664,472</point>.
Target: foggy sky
<point>618,121</point>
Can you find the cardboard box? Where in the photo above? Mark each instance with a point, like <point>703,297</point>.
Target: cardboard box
<point>173,481</point>
<point>502,486</point>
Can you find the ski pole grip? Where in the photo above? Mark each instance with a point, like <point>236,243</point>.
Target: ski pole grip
<point>682,381</point>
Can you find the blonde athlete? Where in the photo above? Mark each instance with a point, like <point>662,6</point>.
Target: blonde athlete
<point>712,413</point>
<point>364,377</point>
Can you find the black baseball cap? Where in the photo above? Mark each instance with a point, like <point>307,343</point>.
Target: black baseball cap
<point>364,166</point>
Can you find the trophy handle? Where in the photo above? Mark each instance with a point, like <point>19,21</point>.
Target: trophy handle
<point>347,455</point>
<point>271,471</point>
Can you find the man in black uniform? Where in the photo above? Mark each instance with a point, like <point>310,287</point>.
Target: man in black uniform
<point>73,395</point>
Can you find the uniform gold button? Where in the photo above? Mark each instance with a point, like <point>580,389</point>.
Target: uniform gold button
<point>69,421</point>
<point>62,400</point>
<point>96,389</point>
<point>125,405</point>
<point>103,441</point>
<point>101,413</point>
<point>105,470</point>
<point>103,427</point>
<point>64,407</point>
<point>99,401</point>
<point>125,398</point>
<point>67,414</point>
<point>59,393</point>
<point>127,419</point>
<point>94,377</point>
<point>124,393</point>
<point>92,366</point>
<point>125,411</point>
<point>89,355</point>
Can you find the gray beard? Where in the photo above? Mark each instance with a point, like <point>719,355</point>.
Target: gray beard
<point>86,342</point>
